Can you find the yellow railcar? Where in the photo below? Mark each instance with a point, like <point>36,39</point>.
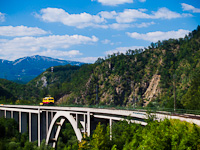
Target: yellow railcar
<point>47,101</point>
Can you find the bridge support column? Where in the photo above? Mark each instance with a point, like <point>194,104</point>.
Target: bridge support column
<point>29,127</point>
<point>20,122</point>
<point>47,122</point>
<point>110,125</point>
<point>11,114</point>
<point>88,124</point>
<point>84,120</point>
<point>39,131</point>
<point>4,113</point>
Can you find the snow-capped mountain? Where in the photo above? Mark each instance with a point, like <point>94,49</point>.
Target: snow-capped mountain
<point>27,68</point>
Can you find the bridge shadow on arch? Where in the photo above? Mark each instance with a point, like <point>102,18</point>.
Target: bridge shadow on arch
<point>58,121</point>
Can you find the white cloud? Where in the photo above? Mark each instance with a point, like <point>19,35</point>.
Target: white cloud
<point>119,26</point>
<point>187,7</point>
<point>165,13</point>
<point>158,35</point>
<point>81,20</point>
<point>122,49</point>
<point>106,19</point>
<point>131,15</point>
<point>86,59</point>
<point>122,26</point>
<point>2,17</point>
<point>114,2</point>
<point>58,53</point>
<point>30,45</point>
<point>108,15</point>
<point>21,31</point>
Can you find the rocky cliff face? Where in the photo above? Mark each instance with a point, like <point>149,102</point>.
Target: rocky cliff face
<point>153,89</point>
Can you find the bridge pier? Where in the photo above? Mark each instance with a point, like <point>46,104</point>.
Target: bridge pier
<point>29,126</point>
<point>4,113</point>
<point>110,125</point>
<point>88,124</point>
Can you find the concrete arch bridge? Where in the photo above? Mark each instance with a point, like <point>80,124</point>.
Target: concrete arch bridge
<point>45,122</point>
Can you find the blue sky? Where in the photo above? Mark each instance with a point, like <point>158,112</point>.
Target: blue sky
<point>83,30</point>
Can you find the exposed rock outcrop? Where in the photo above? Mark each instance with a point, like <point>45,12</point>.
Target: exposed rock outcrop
<point>153,89</point>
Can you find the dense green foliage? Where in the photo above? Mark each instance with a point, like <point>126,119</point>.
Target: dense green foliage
<point>11,91</point>
<point>64,80</point>
<point>67,138</point>
<point>191,98</point>
<point>165,135</point>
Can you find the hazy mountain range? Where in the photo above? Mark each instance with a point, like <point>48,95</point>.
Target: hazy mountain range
<point>26,68</point>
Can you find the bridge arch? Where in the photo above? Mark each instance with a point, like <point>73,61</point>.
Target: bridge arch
<point>63,115</point>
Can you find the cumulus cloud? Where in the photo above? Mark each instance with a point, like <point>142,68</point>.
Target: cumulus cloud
<point>131,15</point>
<point>58,53</point>
<point>81,20</point>
<point>106,19</point>
<point>122,49</point>
<point>165,13</point>
<point>34,45</point>
<point>21,31</point>
<point>119,26</point>
<point>158,35</point>
<point>122,26</point>
<point>108,15</point>
<point>86,59</point>
<point>114,2</point>
<point>187,7</point>
<point>2,17</point>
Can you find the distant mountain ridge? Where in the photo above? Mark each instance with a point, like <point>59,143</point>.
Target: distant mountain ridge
<point>26,68</point>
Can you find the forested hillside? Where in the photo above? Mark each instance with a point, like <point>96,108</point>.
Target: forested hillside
<point>140,77</point>
<point>11,92</point>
